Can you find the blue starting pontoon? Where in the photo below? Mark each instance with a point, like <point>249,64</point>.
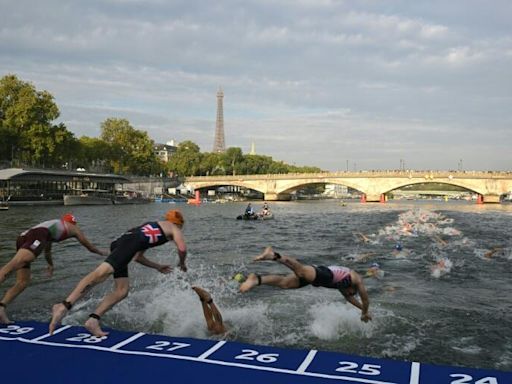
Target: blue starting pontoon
<point>28,354</point>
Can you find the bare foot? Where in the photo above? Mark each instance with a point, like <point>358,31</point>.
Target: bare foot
<point>249,283</point>
<point>3,317</point>
<point>203,295</point>
<point>58,313</point>
<point>93,326</point>
<point>268,254</point>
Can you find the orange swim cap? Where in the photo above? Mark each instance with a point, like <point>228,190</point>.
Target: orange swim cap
<point>69,218</point>
<point>175,217</point>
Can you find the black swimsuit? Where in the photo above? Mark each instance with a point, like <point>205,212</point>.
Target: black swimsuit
<point>324,278</point>
<point>122,250</point>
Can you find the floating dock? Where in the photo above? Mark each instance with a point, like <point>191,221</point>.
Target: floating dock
<point>28,354</point>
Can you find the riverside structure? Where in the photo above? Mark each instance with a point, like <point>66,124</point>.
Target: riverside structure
<point>490,186</point>
<point>40,186</point>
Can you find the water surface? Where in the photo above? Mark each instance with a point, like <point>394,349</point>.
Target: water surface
<point>459,315</point>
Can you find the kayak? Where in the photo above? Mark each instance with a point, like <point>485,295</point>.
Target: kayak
<point>247,217</point>
<point>255,217</point>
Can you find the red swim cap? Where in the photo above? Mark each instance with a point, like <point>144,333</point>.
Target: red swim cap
<point>69,218</point>
<point>174,216</point>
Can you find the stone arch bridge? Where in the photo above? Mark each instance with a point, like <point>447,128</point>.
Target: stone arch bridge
<point>374,185</point>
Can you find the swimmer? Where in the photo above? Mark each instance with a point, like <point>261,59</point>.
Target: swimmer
<point>211,313</point>
<point>362,237</point>
<point>399,251</point>
<point>439,240</point>
<point>493,250</point>
<point>347,281</point>
<point>375,271</point>
<point>130,246</point>
<point>363,257</point>
<point>441,267</point>
<point>30,244</point>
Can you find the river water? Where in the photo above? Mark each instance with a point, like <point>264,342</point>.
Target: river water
<point>456,315</point>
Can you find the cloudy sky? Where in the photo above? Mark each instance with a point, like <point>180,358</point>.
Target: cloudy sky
<point>369,84</point>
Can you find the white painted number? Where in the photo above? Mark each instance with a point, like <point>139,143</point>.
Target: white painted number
<point>250,354</point>
<point>467,379</point>
<point>366,369</point>
<point>87,338</point>
<point>160,346</point>
<point>15,330</point>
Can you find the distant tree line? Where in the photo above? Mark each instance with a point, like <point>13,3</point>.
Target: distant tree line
<point>30,137</point>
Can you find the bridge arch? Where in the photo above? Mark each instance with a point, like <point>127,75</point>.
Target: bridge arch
<point>403,185</point>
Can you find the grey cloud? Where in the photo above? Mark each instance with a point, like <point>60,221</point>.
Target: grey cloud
<point>309,82</point>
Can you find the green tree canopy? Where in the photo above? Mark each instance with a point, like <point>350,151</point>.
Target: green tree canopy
<point>26,127</point>
<point>131,150</point>
<point>187,159</point>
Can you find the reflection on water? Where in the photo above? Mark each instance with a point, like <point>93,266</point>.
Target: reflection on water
<point>442,298</point>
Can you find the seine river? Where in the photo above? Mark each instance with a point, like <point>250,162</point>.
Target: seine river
<point>456,315</point>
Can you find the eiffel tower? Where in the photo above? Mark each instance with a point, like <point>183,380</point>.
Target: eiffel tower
<point>219,144</point>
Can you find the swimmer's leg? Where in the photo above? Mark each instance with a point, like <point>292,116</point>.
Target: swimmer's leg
<point>121,287</point>
<point>23,257</point>
<point>268,254</point>
<point>290,281</point>
<point>211,313</point>
<point>22,281</point>
<point>3,316</point>
<point>100,274</point>
<point>252,281</point>
<point>305,272</point>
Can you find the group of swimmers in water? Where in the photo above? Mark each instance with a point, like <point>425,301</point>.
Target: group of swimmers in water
<point>132,245</point>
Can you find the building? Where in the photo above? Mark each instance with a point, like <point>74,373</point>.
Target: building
<point>43,186</point>
<point>165,151</point>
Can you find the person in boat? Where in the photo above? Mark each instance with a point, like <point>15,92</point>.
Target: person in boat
<point>130,246</point>
<point>346,280</point>
<point>212,315</point>
<point>30,244</point>
<point>249,211</point>
<point>265,210</point>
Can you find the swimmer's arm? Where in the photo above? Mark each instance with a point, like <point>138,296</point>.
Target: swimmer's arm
<point>352,300</point>
<point>363,305</point>
<point>86,243</point>
<point>179,240</point>
<point>49,260</point>
<point>363,294</point>
<point>141,259</point>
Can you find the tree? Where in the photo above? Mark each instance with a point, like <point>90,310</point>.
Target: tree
<point>51,145</point>
<point>187,159</point>
<point>25,123</point>
<point>131,150</point>
<point>211,164</point>
<point>257,164</point>
<point>232,160</point>
<point>94,154</point>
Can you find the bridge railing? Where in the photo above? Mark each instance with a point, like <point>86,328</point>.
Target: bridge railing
<point>427,174</point>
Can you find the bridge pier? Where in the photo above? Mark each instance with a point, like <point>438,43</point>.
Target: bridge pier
<point>271,196</point>
<point>493,199</point>
<point>373,198</point>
